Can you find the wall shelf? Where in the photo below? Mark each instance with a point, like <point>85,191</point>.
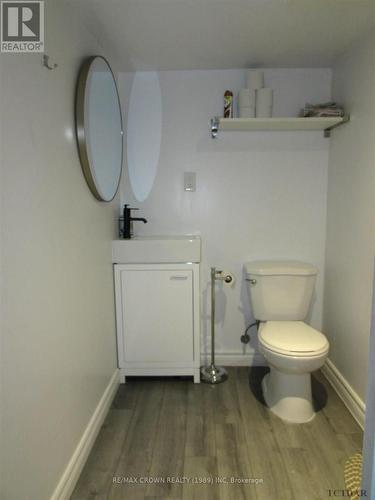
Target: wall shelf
<point>248,124</point>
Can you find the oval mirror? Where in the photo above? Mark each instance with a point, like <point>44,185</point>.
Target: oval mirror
<point>99,128</point>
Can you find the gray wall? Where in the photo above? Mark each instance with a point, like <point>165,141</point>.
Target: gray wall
<point>259,194</point>
<point>58,332</point>
<point>351,217</point>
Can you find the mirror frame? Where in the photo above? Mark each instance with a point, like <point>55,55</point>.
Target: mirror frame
<point>80,126</point>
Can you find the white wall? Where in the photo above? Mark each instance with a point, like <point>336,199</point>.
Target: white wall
<point>259,195</point>
<point>350,216</point>
<point>58,332</point>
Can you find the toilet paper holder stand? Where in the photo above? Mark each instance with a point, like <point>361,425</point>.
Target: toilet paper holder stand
<point>213,374</point>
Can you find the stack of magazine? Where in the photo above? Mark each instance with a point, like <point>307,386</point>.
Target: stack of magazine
<point>323,109</point>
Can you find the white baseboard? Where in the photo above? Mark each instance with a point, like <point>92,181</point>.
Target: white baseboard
<point>74,468</point>
<point>235,359</point>
<point>346,392</point>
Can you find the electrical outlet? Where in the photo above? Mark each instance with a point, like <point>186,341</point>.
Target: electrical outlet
<point>189,181</point>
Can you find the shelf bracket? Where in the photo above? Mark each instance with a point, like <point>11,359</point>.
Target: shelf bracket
<point>214,127</point>
<point>327,131</point>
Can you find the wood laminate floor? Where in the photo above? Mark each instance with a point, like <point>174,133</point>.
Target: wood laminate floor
<point>172,439</point>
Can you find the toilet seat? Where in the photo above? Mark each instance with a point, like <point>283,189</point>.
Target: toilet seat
<point>292,338</point>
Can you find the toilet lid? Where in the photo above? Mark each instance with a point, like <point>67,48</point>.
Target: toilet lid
<point>292,337</point>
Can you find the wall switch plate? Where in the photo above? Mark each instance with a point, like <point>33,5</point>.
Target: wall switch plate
<point>189,181</point>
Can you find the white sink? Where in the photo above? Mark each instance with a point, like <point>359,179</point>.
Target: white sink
<point>157,249</point>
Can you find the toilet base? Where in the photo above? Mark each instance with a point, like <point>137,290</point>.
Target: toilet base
<point>289,396</point>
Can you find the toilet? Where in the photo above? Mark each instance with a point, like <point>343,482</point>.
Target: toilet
<point>280,295</point>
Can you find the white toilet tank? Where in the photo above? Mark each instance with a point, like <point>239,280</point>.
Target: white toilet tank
<point>280,290</point>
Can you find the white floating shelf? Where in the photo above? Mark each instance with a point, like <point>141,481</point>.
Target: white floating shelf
<point>248,124</point>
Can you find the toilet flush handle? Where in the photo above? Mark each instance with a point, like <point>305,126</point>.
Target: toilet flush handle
<point>252,281</point>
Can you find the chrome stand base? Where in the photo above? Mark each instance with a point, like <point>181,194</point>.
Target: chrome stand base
<point>213,374</point>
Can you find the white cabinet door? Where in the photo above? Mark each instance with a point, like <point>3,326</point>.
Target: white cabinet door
<point>157,315</point>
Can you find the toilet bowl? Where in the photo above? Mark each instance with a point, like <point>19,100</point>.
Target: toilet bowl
<point>280,294</point>
<point>293,350</point>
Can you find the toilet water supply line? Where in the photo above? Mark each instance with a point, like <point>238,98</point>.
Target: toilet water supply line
<point>245,338</point>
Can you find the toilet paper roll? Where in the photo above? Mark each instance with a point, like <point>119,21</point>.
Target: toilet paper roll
<point>264,103</point>
<point>246,98</point>
<point>229,279</point>
<point>246,111</point>
<point>255,79</point>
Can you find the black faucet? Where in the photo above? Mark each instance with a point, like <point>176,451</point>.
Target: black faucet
<point>128,222</point>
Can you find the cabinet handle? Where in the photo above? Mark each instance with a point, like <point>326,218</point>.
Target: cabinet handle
<point>178,278</point>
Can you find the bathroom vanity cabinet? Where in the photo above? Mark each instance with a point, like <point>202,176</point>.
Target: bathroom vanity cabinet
<point>157,317</point>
